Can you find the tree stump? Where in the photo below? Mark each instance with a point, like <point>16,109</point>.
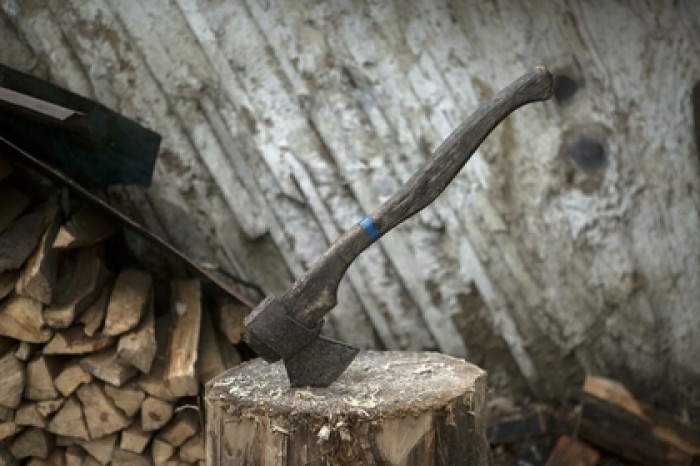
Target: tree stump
<point>388,408</point>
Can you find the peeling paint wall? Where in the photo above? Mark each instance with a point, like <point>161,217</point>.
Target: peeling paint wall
<point>569,243</point>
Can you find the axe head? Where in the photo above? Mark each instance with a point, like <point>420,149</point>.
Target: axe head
<point>309,358</point>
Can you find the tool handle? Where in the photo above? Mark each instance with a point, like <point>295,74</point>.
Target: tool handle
<point>314,294</point>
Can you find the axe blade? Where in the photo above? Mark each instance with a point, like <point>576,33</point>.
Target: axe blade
<point>319,363</point>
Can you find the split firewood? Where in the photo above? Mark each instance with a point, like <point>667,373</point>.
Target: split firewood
<point>69,421</point>
<point>21,318</point>
<point>74,341</point>
<point>23,351</point>
<point>32,442</point>
<point>8,281</point>
<point>56,458</point>
<point>612,419</point>
<point>38,275</point>
<point>155,413</point>
<point>86,227</point>
<point>27,415</point>
<point>126,458</point>
<point>93,317</point>
<point>182,427</point>
<point>104,365</point>
<point>71,377</point>
<point>13,203</point>
<point>134,438</point>
<point>186,310</point>
<point>6,458</point>
<point>6,414</point>
<point>230,316</point>
<point>571,452</point>
<point>154,382</point>
<point>209,363</point>
<point>21,236</point>
<point>128,397</point>
<point>193,449</point>
<point>91,461</point>
<point>161,451</point>
<point>138,347</point>
<point>229,354</point>
<point>12,382</point>
<point>41,372</point>
<point>86,281</point>
<point>9,429</point>
<point>101,415</point>
<point>74,456</point>
<point>100,449</point>
<point>519,426</point>
<point>129,300</point>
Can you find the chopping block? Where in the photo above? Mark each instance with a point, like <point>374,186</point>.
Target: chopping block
<point>388,408</point>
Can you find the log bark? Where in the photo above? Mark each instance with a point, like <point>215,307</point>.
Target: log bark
<point>388,408</point>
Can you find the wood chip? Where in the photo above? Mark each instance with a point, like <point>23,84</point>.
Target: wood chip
<point>129,299</point>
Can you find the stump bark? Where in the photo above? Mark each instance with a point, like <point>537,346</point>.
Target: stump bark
<point>388,408</point>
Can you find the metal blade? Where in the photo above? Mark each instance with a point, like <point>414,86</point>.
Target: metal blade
<point>319,363</point>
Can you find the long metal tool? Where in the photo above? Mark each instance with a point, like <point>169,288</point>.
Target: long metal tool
<point>289,327</point>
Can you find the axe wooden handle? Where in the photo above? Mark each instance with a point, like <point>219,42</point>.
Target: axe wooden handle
<point>314,294</point>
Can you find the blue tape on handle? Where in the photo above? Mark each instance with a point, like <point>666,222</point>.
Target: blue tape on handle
<point>370,228</point>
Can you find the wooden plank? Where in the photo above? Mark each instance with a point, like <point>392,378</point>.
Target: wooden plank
<point>86,281</point>
<point>70,421</point>
<point>183,347</point>
<point>41,372</point>
<point>86,227</point>
<point>13,380</point>
<point>101,415</point>
<point>22,318</point>
<point>129,300</point>
<point>73,341</point>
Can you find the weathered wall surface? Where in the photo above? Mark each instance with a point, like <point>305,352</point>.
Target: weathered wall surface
<point>568,244</point>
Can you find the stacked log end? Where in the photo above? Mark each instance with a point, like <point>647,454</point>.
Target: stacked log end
<point>92,372</point>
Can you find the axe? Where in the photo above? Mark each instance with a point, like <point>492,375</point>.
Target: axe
<point>289,327</point>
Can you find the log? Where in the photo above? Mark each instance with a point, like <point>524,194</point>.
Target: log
<point>570,452</point>
<point>86,227</point>
<point>154,382</point>
<point>186,311</point>
<point>41,372</point>
<point>161,451</point>
<point>105,366</point>
<point>21,318</point>
<point>35,414</point>
<point>86,281</point>
<point>210,362</point>
<point>32,442</point>
<point>612,419</point>
<point>129,299</point>
<point>12,204</point>
<point>93,317</point>
<point>137,347</point>
<point>101,415</point>
<point>74,341</point>
<point>70,421</point>
<point>71,377</point>
<point>100,449</point>
<point>230,315</point>
<point>389,408</point>
<point>193,450</point>
<point>13,380</point>
<point>38,275</point>
<point>155,413</point>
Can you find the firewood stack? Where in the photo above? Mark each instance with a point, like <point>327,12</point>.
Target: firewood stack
<point>91,372</point>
